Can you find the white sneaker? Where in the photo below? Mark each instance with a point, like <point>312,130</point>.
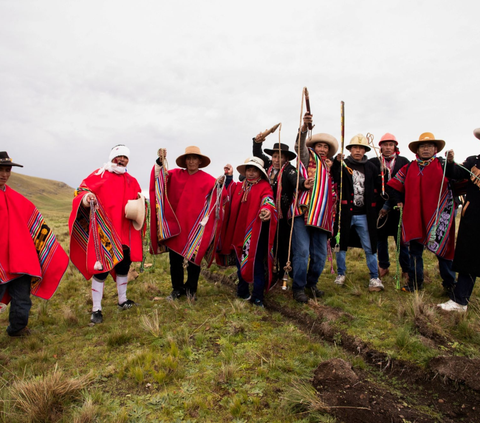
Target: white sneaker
<point>375,285</point>
<point>453,306</point>
<point>340,280</point>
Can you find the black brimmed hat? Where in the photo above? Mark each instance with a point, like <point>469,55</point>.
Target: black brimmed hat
<point>283,150</point>
<point>5,160</point>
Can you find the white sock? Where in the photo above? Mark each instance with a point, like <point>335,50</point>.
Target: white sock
<point>122,288</point>
<point>97,294</point>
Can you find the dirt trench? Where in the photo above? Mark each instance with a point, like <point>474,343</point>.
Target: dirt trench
<point>449,388</point>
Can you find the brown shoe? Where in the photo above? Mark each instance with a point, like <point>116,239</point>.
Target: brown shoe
<point>382,272</point>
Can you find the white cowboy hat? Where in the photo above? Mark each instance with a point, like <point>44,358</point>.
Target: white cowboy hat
<point>328,139</point>
<point>135,211</point>
<point>359,140</point>
<point>252,161</point>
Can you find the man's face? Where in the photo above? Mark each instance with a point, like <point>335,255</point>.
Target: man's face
<point>357,152</point>
<point>321,148</point>
<point>426,150</point>
<point>193,162</point>
<point>5,172</point>
<point>251,172</point>
<point>278,160</point>
<point>121,161</point>
<point>387,148</point>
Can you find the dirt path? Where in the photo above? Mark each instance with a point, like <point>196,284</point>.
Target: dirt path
<point>449,391</point>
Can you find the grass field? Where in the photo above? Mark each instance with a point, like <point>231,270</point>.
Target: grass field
<point>219,359</point>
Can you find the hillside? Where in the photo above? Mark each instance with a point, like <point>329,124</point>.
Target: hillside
<point>50,197</point>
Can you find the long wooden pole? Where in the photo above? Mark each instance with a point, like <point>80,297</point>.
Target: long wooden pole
<point>340,195</point>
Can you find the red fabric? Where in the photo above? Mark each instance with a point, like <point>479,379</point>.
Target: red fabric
<point>422,189</point>
<point>18,255</point>
<point>187,194</point>
<point>242,227</point>
<point>113,192</point>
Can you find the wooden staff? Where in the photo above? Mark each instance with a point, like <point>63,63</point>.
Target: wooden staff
<point>307,105</point>
<point>267,132</point>
<point>342,124</point>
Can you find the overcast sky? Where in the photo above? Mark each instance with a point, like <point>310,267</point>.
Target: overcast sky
<point>78,77</point>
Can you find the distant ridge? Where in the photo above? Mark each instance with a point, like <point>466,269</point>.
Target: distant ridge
<point>46,194</point>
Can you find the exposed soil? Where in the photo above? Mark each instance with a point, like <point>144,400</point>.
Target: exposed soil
<point>448,391</point>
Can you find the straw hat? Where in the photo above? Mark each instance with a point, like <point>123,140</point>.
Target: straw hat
<point>359,140</point>
<point>328,139</point>
<point>476,132</point>
<point>5,160</point>
<point>252,161</point>
<point>388,137</point>
<point>283,150</point>
<point>426,137</point>
<point>192,149</point>
<point>135,210</point>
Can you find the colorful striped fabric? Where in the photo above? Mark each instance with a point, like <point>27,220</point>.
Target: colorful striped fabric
<point>92,229</point>
<point>319,202</point>
<point>196,234</point>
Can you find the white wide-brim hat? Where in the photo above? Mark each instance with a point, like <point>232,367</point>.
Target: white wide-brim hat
<point>252,161</point>
<point>328,139</point>
<point>135,211</point>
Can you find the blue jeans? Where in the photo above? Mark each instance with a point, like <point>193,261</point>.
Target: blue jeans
<point>383,256</point>
<point>243,289</point>
<point>463,288</point>
<point>20,304</point>
<point>415,274</point>
<point>359,222</point>
<point>307,241</point>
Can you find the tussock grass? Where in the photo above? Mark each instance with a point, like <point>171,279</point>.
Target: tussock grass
<point>44,398</point>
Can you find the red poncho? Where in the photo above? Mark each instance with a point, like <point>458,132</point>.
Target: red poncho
<point>421,222</point>
<point>29,246</point>
<point>242,226</point>
<point>192,210</point>
<point>113,192</point>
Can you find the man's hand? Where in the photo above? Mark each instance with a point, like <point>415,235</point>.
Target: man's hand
<point>340,157</point>
<point>228,170</point>
<point>162,152</point>
<point>259,138</point>
<point>400,205</point>
<point>264,215</point>
<point>87,198</point>
<point>307,118</point>
<point>309,183</point>
<point>382,213</point>
<point>450,156</point>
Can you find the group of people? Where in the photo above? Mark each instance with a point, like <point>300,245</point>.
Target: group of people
<point>279,220</point>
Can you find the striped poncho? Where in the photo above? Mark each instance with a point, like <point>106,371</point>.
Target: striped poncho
<point>318,204</point>
<point>29,246</point>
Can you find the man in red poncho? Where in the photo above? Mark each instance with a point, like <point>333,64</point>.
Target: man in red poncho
<point>249,230</point>
<point>31,259</point>
<point>102,238</point>
<point>186,210</point>
<point>428,210</point>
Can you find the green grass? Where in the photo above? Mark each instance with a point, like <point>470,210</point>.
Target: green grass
<point>220,359</point>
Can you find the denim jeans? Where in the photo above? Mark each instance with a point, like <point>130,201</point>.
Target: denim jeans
<point>415,274</point>
<point>20,304</point>
<point>307,241</point>
<point>463,288</point>
<point>243,289</point>
<point>383,256</point>
<point>359,222</point>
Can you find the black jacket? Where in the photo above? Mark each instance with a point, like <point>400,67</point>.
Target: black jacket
<point>349,237</point>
